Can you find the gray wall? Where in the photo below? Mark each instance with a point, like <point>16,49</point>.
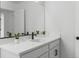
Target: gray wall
<point>77,30</point>
<point>60,17</point>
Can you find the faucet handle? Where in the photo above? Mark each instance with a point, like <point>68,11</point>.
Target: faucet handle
<point>37,32</point>
<point>23,34</point>
<point>9,34</point>
<point>27,33</point>
<point>34,34</point>
<point>44,32</point>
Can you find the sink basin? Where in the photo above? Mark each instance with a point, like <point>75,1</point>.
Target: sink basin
<point>37,40</point>
<point>5,41</point>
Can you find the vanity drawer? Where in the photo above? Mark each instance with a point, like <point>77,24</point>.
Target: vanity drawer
<point>54,43</point>
<point>36,53</point>
<point>55,52</point>
<point>45,55</point>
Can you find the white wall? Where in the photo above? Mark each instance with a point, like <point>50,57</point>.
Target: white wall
<point>77,31</point>
<point>60,17</point>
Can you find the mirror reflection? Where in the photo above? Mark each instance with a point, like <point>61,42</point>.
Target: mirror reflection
<point>25,18</point>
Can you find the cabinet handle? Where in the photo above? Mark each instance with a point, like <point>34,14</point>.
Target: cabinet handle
<point>56,52</point>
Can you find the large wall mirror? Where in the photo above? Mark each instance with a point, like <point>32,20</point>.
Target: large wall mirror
<point>35,17</point>
<point>30,17</point>
<point>11,22</point>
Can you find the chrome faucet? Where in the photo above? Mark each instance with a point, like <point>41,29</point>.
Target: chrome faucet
<point>33,35</point>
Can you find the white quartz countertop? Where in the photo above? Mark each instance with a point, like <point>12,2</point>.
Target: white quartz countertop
<point>26,45</point>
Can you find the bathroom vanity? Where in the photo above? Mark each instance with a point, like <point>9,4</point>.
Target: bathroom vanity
<point>31,17</point>
<point>37,48</point>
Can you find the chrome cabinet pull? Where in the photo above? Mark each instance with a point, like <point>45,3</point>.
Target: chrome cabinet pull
<point>56,52</point>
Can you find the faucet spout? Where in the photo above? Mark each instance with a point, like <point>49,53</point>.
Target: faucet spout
<point>32,35</point>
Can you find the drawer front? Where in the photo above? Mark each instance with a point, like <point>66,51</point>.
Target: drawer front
<point>44,55</point>
<point>54,53</point>
<point>36,53</point>
<point>7,54</point>
<point>53,44</point>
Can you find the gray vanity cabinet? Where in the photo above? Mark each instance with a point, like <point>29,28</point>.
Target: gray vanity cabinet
<point>54,53</point>
<point>36,53</point>
<point>54,49</point>
<point>45,55</point>
<point>48,50</point>
<point>51,50</point>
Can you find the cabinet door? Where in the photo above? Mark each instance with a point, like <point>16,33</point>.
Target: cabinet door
<point>36,53</point>
<point>54,53</point>
<point>44,55</point>
<point>54,43</point>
